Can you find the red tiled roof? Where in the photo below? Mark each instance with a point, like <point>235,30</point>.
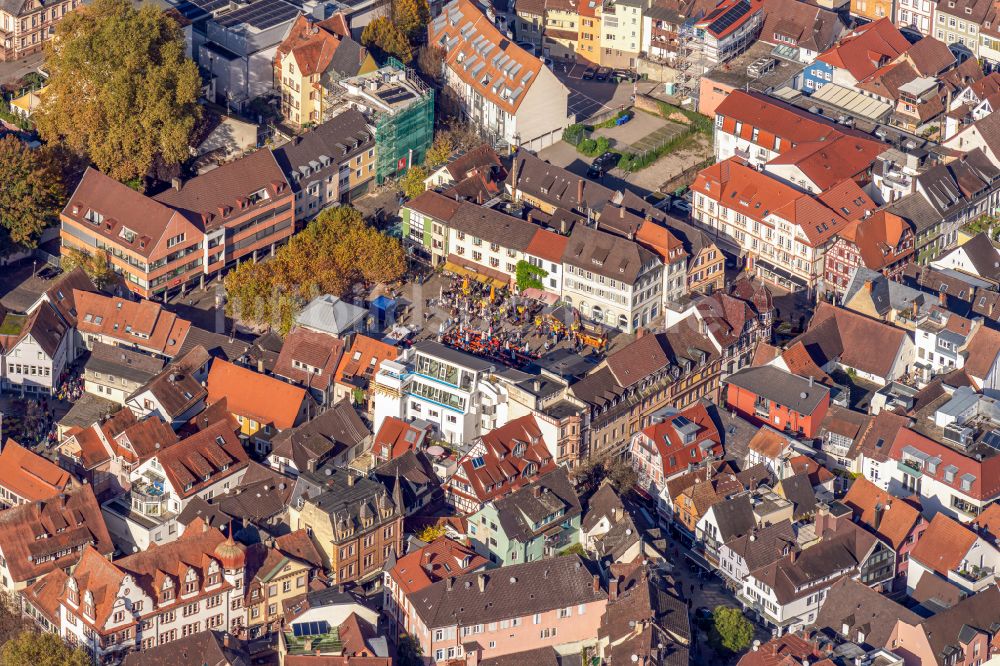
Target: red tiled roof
<point>889,517</point>
<point>395,437</point>
<point>320,351</point>
<point>144,323</point>
<point>364,358</point>
<point>757,195</point>
<point>981,353</point>
<point>468,13</point>
<point>204,458</point>
<point>243,388</point>
<point>769,443</point>
<point>657,238</point>
<point>867,48</point>
<point>943,545</point>
<point>30,476</point>
<point>985,484</point>
<point>877,238</point>
<point>675,454</point>
<point>32,533</point>
<point>441,558</point>
<point>547,245</point>
<point>800,363</point>
<point>506,453</point>
<point>313,43</point>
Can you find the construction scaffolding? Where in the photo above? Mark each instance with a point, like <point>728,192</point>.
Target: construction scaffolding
<point>403,136</point>
<point>692,64</point>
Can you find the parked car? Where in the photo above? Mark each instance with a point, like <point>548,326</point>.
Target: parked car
<point>589,73</point>
<point>603,164</point>
<point>602,74</point>
<point>623,75</point>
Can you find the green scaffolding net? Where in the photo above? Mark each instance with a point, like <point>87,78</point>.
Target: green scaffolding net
<point>404,137</point>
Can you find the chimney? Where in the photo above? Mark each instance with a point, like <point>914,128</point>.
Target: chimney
<point>942,299</point>
<point>226,640</point>
<point>597,583</point>
<point>621,212</point>
<point>175,183</point>
<point>914,308</point>
<point>450,584</point>
<point>793,555</point>
<point>579,193</point>
<point>613,588</point>
<point>515,170</point>
<point>260,365</point>
<point>878,516</point>
<point>350,480</point>
<point>531,216</point>
<point>810,381</point>
<point>639,332</point>
<point>701,326</point>
<point>481,579</point>
<point>537,490</point>
<point>868,286</point>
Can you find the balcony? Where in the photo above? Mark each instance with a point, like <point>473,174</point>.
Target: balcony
<point>973,573</point>
<point>911,467</point>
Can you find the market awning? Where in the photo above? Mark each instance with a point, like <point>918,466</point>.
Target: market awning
<point>539,295</point>
<point>781,272</point>
<point>465,268</point>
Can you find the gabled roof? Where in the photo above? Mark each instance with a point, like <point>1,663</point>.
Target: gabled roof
<point>831,161</point>
<point>547,245</point>
<point>242,389</point>
<point>479,55</point>
<point>847,336</point>
<point>784,388</point>
<point>517,590</point>
<point>947,630</point>
<point>943,545</point>
<point>864,611</point>
<point>309,358</point>
<point>435,561</point>
<point>144,323</point>
<point>60,294</point>
<point>40,536</point>
<point>524,509</point>
<point>981,353</point>
<point>360,363</point>
<point>121,208</point>
<point>395,437</point>
<point>30,476</point>
<point>203,459</point>
<point>890,518</point>
<point>808,26</point>
<point>867,48</point>
<point>685,438</point>
<point>176,387</point>
<point>204,647</point>
<point>309,445</point>
<point>318,46</point>
<point>878,239</point>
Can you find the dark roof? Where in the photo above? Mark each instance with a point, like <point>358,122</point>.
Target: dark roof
<point>513,591</point>
<point>60,294</point>
<point>415,472</point>
<point>337,429</point>
<point>463,359</point>
<point>121,362</point>
<point>555,185</point>
<point>809,26</point>
<point>606,254</point>
<point>734,517</point>
<point>338,139</point>
<point>205,647</point>
<point>984,256</point>
<point>176,387</point>
<point>605,502</point>
<point>345,501</point>
<point>493,226</point>
<point>980,612</point>
<point>864,611</point>
<point>533,503</point>
<point>798,490</point>
<point>764,546</point>
<point>782,387</point>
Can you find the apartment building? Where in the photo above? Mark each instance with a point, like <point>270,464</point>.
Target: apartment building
<point>156,596</point>
<point>611,279</point>
<point>28,477</point>
<point>35,352</point>
<point>621,33</point>
<point>330,164</point>
<point>354,521</point>
<point>559,39</point>
<point>588,42</point>
<point>958,22</point>
<point>309,62</point>
<point>119,322</point>
<point>506,91</point>
<point>184,234</point>
<point>451,389</point>
<point>883,242</point>
<point>25,25</point>
<point>548,603</point>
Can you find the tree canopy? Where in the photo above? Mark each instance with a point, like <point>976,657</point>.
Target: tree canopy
<point>412,182</point>
<point>335,251</point>
<point>530,276</point>
<point>41,649</point>
<point>441,150</point>
<point>121,90</point>
<point>411,16</point>
<point>384,38</point>
<point>95,265</point>
<point>730,629</point>
<point>31,195</point>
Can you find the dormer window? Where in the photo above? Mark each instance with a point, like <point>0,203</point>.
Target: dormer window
<point>258,196</point>
<point>93,216</point>
<point>72,592</point>
<point>88,604</point>
<point>127,234</point>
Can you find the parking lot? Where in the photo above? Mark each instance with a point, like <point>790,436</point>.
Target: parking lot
<point>588,97</point>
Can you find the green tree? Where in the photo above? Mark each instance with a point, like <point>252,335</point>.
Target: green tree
<point>529,276</point>
<point>31,195</point>
<point>41,649</point>
<point>95,265</point>
<point>411,16</point>
<point>408,652</point>
<point>336,250</point>
<point>121,90</point>
<point>730,629</point>
<point>412,182</point>
<point>384,38</point>
<point>440,151</point>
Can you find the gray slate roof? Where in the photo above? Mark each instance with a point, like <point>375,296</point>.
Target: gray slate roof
<point>782,387</point>
<point>330,314</point>
<point>532,503</point>
<point>513,591</point>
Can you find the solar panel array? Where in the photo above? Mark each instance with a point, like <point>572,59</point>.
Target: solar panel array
<point>311,628</point>
<point>262,14</point>
<point>730,17</point>
<point>992,439</point>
